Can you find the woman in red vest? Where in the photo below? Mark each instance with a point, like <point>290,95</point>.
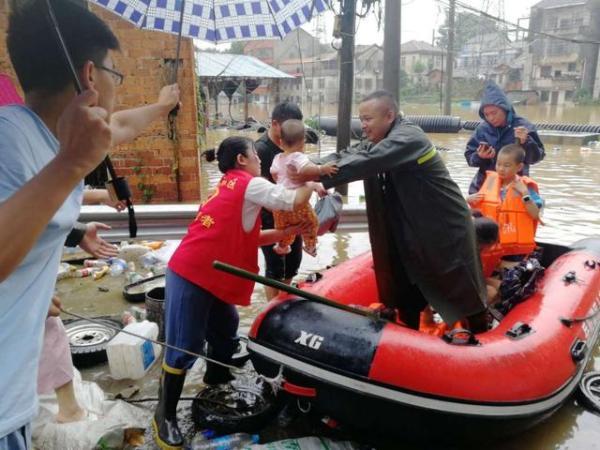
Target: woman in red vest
<point>200,300</point>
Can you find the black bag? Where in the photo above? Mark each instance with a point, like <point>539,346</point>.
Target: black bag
<point>329,211</point>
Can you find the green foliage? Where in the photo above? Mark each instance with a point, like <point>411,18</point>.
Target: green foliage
<point>147,190</point>
<point>237,47</point>
<point>311,122</point>
<point>418,67</point>
<point>584,97</point>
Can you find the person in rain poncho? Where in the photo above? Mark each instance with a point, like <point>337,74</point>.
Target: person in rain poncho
<point>420,227</point>
<point>501,126</point>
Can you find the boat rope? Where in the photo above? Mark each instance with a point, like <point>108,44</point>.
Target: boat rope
<point>570,321</point>
<point>154,341</point>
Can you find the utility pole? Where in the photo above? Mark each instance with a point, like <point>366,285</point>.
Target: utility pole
<point>391,47</point>
<point>346,93</point>
<point>449,59</point>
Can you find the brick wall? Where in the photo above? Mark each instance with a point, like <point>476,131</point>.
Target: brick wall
<point>148,162</point>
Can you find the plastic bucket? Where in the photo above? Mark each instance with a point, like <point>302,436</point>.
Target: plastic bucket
<point>155,309</point>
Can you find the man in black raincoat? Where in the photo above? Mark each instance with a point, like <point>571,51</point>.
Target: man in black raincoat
<point>420,227</point>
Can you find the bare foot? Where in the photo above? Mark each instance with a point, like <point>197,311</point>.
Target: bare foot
<point>75,416</point>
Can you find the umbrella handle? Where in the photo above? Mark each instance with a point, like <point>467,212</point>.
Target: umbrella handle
<point>63,47</point>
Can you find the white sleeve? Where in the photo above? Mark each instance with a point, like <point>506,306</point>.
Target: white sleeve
<point>261,193</point>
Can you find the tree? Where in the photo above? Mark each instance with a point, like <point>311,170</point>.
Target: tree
<point>467,26</point>
<point>418,67</point>
<point>237,47</point>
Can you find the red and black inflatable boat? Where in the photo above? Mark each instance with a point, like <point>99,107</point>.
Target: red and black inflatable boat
<point>380,376</point>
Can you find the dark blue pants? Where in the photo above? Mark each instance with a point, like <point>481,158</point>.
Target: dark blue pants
<point>193,315</point>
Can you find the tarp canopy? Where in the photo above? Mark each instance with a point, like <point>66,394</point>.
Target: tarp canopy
<point>228,65</point>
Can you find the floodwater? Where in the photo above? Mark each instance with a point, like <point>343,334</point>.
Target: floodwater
<point>569,179</point>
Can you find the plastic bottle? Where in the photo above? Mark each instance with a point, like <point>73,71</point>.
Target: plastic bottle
<point>94,263</point>
<point>128,317</point>
<point>117,267</point>
<point>201,437</point>
<point>229,442</point>
<point>148,260</point>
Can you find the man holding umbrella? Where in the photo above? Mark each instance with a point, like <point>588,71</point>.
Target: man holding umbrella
<point>46,148</point>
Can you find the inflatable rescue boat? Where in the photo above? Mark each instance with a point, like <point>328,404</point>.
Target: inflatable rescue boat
<point>378,375</point>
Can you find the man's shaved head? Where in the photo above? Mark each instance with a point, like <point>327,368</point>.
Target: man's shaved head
<point>384,98</point>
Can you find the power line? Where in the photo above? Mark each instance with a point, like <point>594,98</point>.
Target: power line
<point>518,27</point>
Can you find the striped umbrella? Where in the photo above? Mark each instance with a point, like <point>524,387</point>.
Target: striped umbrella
<point>217,20</point>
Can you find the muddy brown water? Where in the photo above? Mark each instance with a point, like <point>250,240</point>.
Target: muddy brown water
<point>569,180</point>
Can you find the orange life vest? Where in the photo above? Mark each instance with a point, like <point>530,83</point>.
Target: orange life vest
<point>516,227</point>
<point>490,258</point>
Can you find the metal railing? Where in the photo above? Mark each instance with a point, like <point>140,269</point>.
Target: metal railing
<point>157,222</point>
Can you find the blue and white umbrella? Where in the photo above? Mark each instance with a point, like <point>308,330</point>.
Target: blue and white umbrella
<point>217,20</point>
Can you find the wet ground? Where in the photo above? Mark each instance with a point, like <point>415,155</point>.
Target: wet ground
<point>569,179</point>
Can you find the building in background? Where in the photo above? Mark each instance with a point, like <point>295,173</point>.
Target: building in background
<point>558,69</point>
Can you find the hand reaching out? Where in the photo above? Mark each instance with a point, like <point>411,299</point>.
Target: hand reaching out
<point>94,244</point>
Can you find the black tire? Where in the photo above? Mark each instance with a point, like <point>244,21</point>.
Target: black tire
<point>88,340</point>
<point>589,391</point>
<point>155,309</point>
<point>227,410</point>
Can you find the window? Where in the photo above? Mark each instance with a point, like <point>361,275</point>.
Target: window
<point>552,22</point>
<point>557,73</point>
<point>545,96</point>
<point>569,95</point>
<point>368,84</point>
<point>358,83</point>
<point>565,23</point>
<point>572,67</point>
<point>578,21</point>
<point>403,61</point>
<point>309,83</point>
<point>321,83</point>
<point>546,71</point>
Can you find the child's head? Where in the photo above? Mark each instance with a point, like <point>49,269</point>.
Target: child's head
<point>486,231</point>
<point>292,135</point>
<point>510,161</point>
<point>235,152</point>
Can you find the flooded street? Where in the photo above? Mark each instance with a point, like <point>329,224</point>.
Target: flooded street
<point>569,180</point>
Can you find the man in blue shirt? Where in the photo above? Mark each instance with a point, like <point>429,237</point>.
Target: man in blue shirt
<point>46,148</point>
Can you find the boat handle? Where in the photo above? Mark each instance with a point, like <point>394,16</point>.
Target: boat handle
<point>578,350</point>
<point>457,337</point>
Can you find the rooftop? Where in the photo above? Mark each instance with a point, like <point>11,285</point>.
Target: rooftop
<point>229,65</point>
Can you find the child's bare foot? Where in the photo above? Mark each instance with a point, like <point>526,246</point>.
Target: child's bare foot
<point>282,250</point>
<point>74,416</point>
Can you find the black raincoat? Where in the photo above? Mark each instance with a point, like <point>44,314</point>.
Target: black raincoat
<point>420,227</point>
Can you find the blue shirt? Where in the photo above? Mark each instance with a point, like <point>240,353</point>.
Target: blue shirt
<point>26,146</point>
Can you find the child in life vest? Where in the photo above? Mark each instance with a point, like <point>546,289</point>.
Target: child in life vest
<point>292,143</point>
<point>512,201</point>
<point>201,301</point>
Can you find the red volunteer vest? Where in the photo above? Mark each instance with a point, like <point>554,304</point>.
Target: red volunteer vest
<point>217,233</point>
<point>516,227</point>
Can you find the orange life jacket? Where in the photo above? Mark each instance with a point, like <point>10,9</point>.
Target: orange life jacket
<point>490,258</point>
<point>516,227</point>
